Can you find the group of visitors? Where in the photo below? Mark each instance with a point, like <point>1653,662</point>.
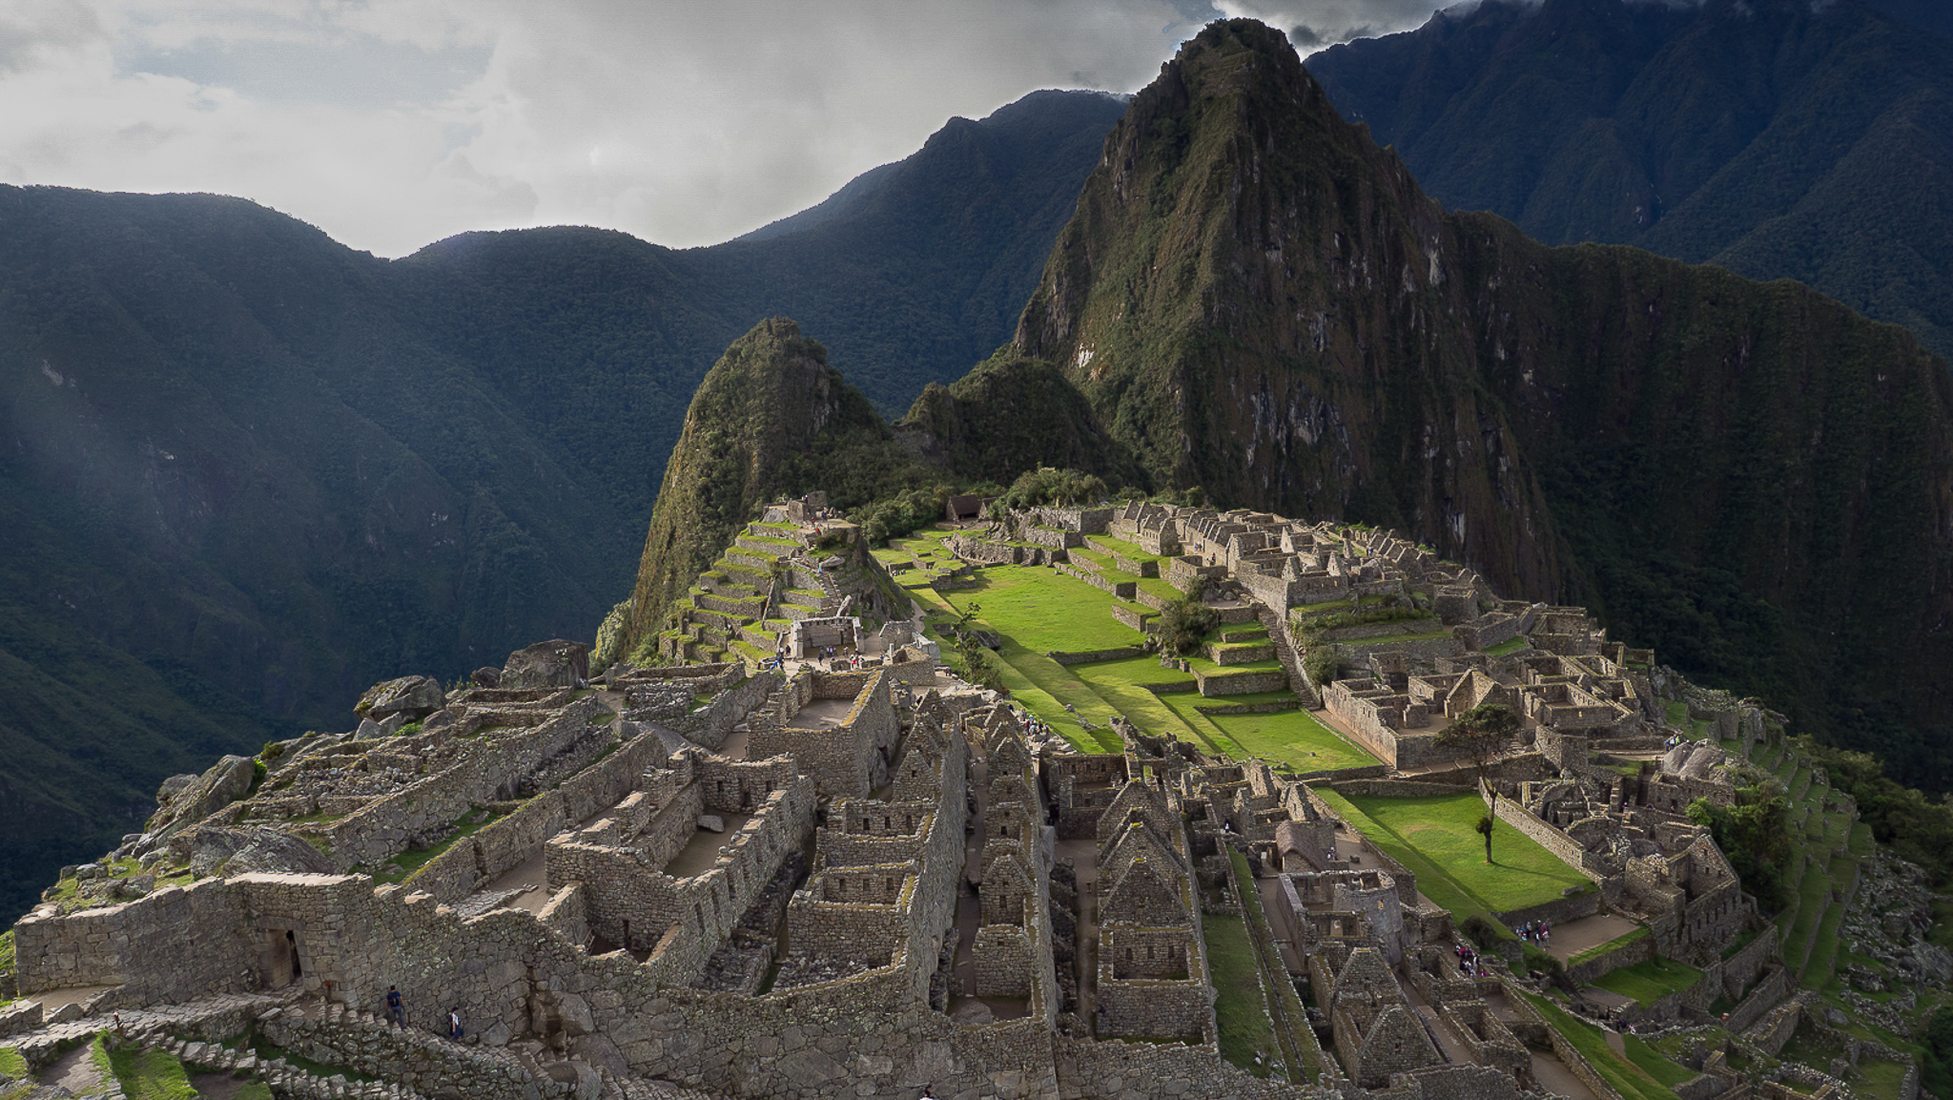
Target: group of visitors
<point>1468,960</point>
<point>1535,932</point>
<point>397,1013</point>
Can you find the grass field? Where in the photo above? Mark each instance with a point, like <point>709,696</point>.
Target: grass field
<point>1240,1008</point>
<point>1435,837</point>
<point>1044,610</point>
<point>1294,738</point>
<point>1650,981</point>
<point>1039,611</point>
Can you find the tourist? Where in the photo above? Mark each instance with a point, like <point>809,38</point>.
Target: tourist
<point>454,1024</point>
<point>396,1013</point>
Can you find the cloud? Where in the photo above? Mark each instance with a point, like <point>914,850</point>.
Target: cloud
<point>392,123</point>
<point>1315,24</point>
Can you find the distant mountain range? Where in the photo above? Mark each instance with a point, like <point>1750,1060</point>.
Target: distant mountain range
<point>246,471</point>
<point>1778,138</point>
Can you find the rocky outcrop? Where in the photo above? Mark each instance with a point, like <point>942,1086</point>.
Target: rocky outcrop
<point>251,848</point>
<point>412,696</point>
<point>552,664</point>
<point>184,800</point>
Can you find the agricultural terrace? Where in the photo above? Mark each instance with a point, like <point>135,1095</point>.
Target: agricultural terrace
<point>1036,611</point>
<point>1436,838</point>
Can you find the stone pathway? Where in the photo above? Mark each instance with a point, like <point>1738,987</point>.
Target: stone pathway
<point>1576,936</point>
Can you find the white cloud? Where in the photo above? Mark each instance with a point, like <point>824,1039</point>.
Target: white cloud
<point>392,123</point>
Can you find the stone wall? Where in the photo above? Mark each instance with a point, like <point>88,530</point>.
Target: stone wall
<point>1003,960</point>
<point>630,900</point>
<point>1541,832</point>
<point>844,759</point>
<point>711,724</point>
<point>426,809</point>
<point>1146,1071</point>
<point>171,945</point>
<point>431,1066</point>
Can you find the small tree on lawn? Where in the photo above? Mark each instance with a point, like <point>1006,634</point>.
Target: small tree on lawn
<point>1481,735</point>
<point>1183,624</point>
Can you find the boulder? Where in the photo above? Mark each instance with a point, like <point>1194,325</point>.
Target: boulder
<point>254,848</point>
<point>553,664</point>
<point>487,676</point>
<point>227,781</point>
<point>412,696</point>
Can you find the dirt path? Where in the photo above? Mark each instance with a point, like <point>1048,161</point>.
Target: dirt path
<point>76,1071</point>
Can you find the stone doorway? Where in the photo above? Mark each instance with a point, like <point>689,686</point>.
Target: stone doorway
<point>282,964</point>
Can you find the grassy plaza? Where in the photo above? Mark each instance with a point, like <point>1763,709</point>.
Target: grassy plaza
<point>1435,836</point>
<point>1038,611</point>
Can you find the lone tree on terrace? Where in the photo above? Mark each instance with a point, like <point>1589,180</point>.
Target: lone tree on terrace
<point>1481,735</point>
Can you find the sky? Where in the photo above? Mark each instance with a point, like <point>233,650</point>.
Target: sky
<point>391,124</point>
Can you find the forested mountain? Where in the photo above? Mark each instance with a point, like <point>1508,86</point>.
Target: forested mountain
<point>247,471</point>
<point>1253,298</point>
<point>1778,138</point>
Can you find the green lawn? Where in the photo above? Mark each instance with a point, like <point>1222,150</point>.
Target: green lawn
<point>1240,1009</point>
<point>12,1064</point>
<point>1650,981</point>
<point>1448,856</point>
<point>1615,944</point>
<point>1295,738</point>
<point>151,1075</point>
<point>1044,610</point>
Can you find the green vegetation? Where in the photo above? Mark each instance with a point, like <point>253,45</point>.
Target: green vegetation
<point>1435,837</point>
<point>1240,1009</point>
<point>1643,1075</point>
<point>12,1064</point>
<point>1649,981</point>
<point>1184,625</point>
<point>150,1074</point>
<point>1285,1009</point>
<point>1481,735</point>
<point>403,866</point>
<point>1049,485</point>
<point>1611,946</point>
<point>1044,610</point>
<point>1753,834</point>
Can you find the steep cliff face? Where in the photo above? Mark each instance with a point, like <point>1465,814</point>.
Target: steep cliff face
<point>770,419</point>
<point>1256,299</point>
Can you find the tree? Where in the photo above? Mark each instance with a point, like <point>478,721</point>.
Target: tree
<point>1481,736</point>
<point>1183,624</point>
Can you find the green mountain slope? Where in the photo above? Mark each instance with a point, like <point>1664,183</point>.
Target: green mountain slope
<point>246,471</point>
<point>770,420</point>
<point>1257,300</point>
<point>1778,138</point>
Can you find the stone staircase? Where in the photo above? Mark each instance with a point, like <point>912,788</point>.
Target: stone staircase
<point>1285,653</point>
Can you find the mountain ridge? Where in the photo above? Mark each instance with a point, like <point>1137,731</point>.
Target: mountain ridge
<point>1779,138</point>
<point>275,469</point>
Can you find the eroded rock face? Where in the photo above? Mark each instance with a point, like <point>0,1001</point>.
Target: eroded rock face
<point>411,696</point>
<point>556,663</point>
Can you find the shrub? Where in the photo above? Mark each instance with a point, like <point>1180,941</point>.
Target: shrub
<point>1182,625</point>
<point>902,514</point>
<point>1321,665</point>
<point>1048,485</point>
